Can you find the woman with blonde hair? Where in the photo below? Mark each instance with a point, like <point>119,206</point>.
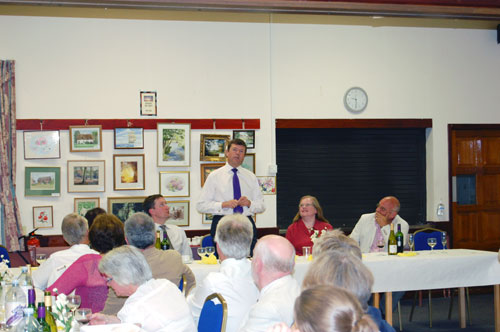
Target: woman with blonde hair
<point>308,224</point>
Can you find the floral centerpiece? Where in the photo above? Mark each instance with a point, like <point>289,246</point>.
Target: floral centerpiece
<point>62,313</point>
<point>5,273</point>
<point>315,235</point>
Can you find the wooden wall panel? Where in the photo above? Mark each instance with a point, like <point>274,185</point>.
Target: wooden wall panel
<point>467,152</point>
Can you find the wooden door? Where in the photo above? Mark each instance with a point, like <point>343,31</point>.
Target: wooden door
<point>475,168</point>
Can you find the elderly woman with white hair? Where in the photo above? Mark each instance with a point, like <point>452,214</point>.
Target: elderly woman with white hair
<point>152,304</point>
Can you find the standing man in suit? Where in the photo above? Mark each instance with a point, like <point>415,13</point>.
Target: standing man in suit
<point>232,189</point>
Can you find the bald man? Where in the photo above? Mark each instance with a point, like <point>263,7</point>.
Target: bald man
<point>376,226</point>
<point>272,267</point>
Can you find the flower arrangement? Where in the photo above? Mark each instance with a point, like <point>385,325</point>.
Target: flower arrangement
<point>61,313</point>
<point>316,234</point>
<point>4,269</point>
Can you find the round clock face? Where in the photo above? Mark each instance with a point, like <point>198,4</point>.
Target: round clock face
<point>355,99</point>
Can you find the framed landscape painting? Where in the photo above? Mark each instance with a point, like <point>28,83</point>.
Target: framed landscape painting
<point>128,172</point>
<point>124,207</point>
<point>129,138</point>
<point>43,217</point>
<point>174,140</point>
<point>249,162</point>
<point>86,176</point>
<point>85,138</point>
<point>174,184</point>
<point>42,144</point>
<point>179,213</point>
<point>82,205</point>
<point>42,181</point>
<point>206,169</point>
<point>213,147</point>
<point>206,218</point>
<point>247,136</point>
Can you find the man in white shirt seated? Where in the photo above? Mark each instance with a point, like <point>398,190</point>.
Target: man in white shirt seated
<point>75,232</point>
<point>272,266</point>
<point>157,208</point>
<point>234,280</point>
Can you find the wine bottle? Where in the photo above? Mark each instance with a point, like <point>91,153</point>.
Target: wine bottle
<point>42,318</point>
<point>48,312</point>
<point>158,241</point>
<point>400,239</point>
<point>165,244</point>
<point>31,302</point>
<point>392,247</point>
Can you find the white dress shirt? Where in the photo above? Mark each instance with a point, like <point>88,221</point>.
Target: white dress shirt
<point>234,282</point>
<point>218,188</point>
<point>275,305</point>
<point>50,270</point>
<point>158,305</point>
<point>365,229</point>
<point>178,239</point>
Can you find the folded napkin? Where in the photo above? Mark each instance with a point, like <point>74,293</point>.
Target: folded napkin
<point>407,254</point>
<point>211,259</point>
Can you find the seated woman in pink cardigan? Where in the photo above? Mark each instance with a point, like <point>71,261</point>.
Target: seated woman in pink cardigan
<point>83,275</point>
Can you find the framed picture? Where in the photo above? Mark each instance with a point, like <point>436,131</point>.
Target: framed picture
<point>174,141</point>
<point>43,217</point>
<point>128,172</point>
<point>249,162</point>
<point>179,213</point>
<point>206,218</point>
<point>148,103</point>
<point>174,184</point>
<point>42,181</point>
<point>248,136</point>
<point>206,169</point>
<point>129,138</point>
<point>213,147</point>
<point>82,205</point>
<point>42,144</point>
<point>267,184</point>
<point>85,138</point>
<point>86,176</point>
<point>124,207</point>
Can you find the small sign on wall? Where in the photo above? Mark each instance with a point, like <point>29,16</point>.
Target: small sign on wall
<point>148,103</point>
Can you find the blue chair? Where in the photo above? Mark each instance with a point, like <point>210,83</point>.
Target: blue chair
<point>213,316</point>
<point>5,254</point>
<point>207,241</point>
<point>182,285</point>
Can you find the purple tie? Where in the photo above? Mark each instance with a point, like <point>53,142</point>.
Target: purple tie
<point>236,190</point>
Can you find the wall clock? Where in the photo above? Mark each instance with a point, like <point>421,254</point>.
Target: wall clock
<point>355,99</point>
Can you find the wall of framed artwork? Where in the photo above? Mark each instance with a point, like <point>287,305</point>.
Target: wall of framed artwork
<point>43,217</point>
<point>85,138</point>
<point>124,207</point>
<point>213,147</point>
<point>174,144</point>
<point>179,213</point>
<point>174,184</point>
<point>42,181</point>
<point>206,169</point>
<point>129,138</point>
<point>248,136</point>
<point>249,162</point>
<point>128,172</point>
<point>86,176</point>
<point>42,144</point>
<point>84,204</point>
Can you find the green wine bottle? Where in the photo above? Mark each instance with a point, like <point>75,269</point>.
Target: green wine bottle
<point>158,241</point>
<point>48,312</point>
<point>392,246</point>
<point>165,244</point>
<point>400,239</point>
<point>41,318</point>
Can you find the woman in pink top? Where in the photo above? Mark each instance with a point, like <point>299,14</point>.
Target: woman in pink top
<point>308,223</point>
<point>83,275</point>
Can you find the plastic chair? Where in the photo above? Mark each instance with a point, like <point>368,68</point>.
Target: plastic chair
<point>207,241</point>
<point>182,285</point>
<point>213,316</point>
<point>5,253</point>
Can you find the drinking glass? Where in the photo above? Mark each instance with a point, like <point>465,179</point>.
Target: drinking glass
<point>306,252</point>
<point>40,258</point>
<point>381,244</point>
<point>210,250</point>
<point>82,315</point>
<point>444,240</point>
<point>411,241</point>
<point>201,251</point>
<point>432,241</point>
<point>74,302</point>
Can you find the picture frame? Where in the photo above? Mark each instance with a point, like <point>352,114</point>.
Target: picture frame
<point>206,169</point>
<point>267,184</point>
<point>43,217</point>
<point>42,181</point>
<point>174,184</point>
<point>174,144</point>
<point>129,138</point>
<point>248,136</point>
<point>179,213</point>
<point>86,176</point>
<point>213,147</point>
<point>84,204</point>
<point>249,162</point>
<point>148,103</point>
<point>128,172</point>
<point>85,138</point>
<point>42,144</point>
<point>206,218</point>
<point>124,207</point>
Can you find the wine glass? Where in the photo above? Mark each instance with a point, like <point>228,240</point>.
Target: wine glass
<point>432,241</point>
<point>201,251</point>
<point>40,258</point>
<point>444,240</point>
<point>411,241</point>
<point>82,315</point>
<point>74,302</point>
<point>380,244</point>
<point>210,250</point>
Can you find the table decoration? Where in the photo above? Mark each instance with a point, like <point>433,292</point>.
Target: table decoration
<point>62,313</point>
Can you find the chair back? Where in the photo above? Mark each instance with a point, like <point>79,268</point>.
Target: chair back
<point>5,253</point>
<point>420,238</point>
<point>207,241</point>
<point>182,285</point>
<point>213,316</point>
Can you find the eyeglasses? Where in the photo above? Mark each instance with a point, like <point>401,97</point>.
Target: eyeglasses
<point>305,205</point>
<point>109,279</point>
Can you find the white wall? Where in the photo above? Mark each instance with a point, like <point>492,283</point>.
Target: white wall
<point>243,68</point>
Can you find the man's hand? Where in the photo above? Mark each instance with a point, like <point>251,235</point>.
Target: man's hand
<point>244,201</point>
<point>230,204</point>
<point>381,220</point>
<point>100,319</point>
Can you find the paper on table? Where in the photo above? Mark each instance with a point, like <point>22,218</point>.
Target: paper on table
<point>407,254</point>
